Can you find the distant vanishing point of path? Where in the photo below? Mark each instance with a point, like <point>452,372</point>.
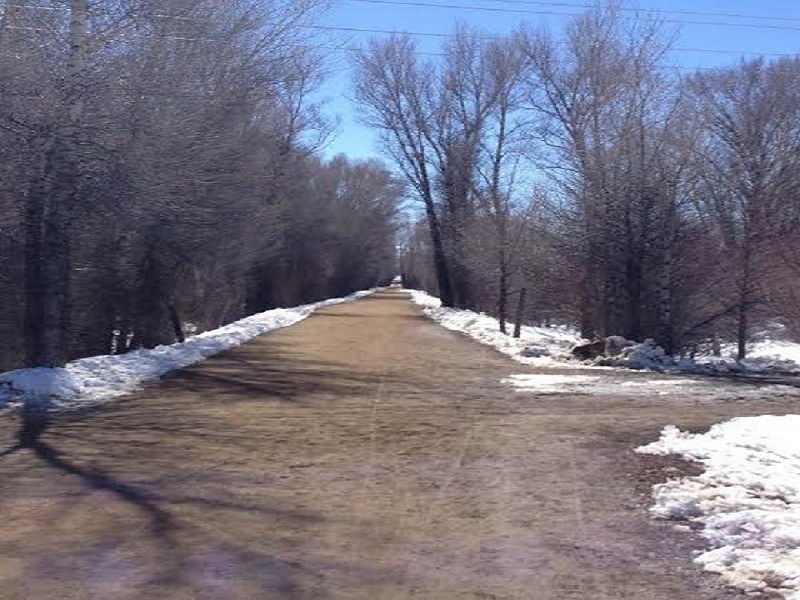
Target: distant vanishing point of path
<point>365,453</point>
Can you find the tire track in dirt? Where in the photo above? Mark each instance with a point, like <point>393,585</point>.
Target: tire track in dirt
<point>365,453</point>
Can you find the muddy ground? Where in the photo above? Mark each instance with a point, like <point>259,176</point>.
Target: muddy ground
<point>365,453</point>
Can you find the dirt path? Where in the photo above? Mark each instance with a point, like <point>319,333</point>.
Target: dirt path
<point>365,453</point>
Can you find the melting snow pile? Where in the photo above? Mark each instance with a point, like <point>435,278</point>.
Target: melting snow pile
<point>536,345</point>
<point>747,502</point>
<point>98,378</point>
<point>644,356</point>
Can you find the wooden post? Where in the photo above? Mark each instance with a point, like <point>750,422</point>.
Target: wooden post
<point>520,310</point>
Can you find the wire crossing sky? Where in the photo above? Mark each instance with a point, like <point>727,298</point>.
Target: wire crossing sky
<point>709,33</point>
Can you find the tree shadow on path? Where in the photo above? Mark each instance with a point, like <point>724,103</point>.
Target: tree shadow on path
<point>190,469</point>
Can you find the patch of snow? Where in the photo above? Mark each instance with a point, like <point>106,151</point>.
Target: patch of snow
<point>746,503</point>
<point>424,299</point>
<point>773,357</point>
<point>770,351</point>
<point>97,379</point>
<point>783,353</point>
<point>546,383</point>
<point>540,346</point>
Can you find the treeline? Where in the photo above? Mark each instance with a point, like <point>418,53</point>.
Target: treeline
<point>157,169</point>
<point>626,197</point>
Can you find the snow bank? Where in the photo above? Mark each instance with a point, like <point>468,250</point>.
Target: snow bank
<point>747,502</point>
<point>775,358</point>
<point>546,346</point>
<point>97,379</point>
<point>770,351</point>
<point>772,357</point>
<point>539,346</point>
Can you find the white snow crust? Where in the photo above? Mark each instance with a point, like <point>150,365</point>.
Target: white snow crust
<point>746,503</point>
<point>97,379</point>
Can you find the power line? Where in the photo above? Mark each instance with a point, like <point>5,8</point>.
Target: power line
<point>442,55</point>
<point>566,14</point>
<point>350,49</point>
<point>660,11</point>
<point>518,11</point>
<point>693,13</point>
<point>383,31</point>
<point>447,35</point>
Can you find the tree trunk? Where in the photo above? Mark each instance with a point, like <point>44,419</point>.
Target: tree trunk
<point>665,335</point>
<point>502,299</point>
<point>741,341</point>
<point>439,256</point>
<point>744,304</point>
<point>57,264</point>
<point>34,292</point>
<point>520,313</point>
<point>177,326</point>
<point>48,215</point>
<point>741,330</point>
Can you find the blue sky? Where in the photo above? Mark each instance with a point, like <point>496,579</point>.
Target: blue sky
<point>704,40</point>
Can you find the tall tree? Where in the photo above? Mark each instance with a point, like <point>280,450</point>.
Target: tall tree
<point>607,114</point>
<point>748,172</point>
<point>154,153</point>
<point>448,124</point>
<point>399,95</point>
<point>50,207</point>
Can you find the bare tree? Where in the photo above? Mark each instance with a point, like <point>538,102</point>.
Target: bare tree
<point>748,170</point>
<point>50,205</point>
<point>501,152</point>
<point>607,113</point>
<point>451,126</point>
<point>157,159</point>
<point>398,93</point>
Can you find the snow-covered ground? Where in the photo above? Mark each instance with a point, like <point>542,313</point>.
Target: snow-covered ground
<point>746,503</point>
<point>779,349</point>
<point>768,356</point>
<point>540,346</point>
<point>549,346</point>
<point>97,379</point>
